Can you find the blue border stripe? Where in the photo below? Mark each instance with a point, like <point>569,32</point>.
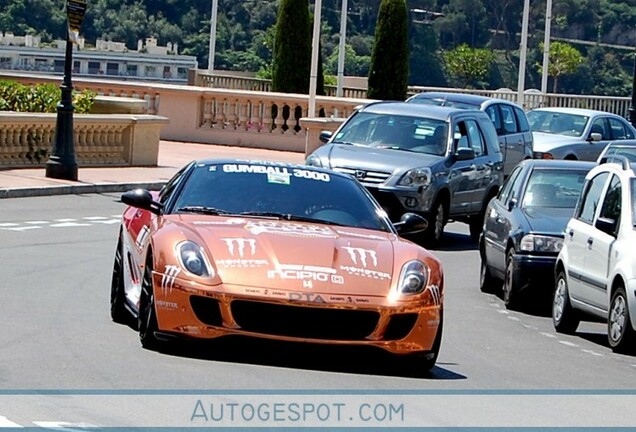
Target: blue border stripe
<point>309,428</point>
<point>316,392</point>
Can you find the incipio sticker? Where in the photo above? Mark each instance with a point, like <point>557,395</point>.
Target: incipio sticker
<point>278,178</point>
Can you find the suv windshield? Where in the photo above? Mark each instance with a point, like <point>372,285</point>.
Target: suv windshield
<point>416,134</point>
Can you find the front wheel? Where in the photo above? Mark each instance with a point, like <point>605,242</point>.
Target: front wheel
<point>118,312</point>
<point>435,230</point>
<point>620,333</point>
<point>423,362</point>
<point>510,289</point>
<point>147,322</point>
<point>564,317</point>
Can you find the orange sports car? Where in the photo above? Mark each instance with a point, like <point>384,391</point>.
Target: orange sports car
<point>278,251</point>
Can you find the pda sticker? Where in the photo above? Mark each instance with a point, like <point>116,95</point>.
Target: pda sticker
<point>278,178</point>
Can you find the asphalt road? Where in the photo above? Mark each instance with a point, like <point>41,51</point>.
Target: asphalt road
<point>63,360</point>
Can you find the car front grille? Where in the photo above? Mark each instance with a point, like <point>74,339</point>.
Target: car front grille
<point>303,321</point>
<point>365,176</point>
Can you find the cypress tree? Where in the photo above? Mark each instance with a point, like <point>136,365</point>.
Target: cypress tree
<point>292,48</point>
<point>388,74</point>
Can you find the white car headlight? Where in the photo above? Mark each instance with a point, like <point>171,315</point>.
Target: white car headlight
<point>413,278</point>
<point>541,243</point>
<point>192,258</point>
<point>417,177</point>
<point>313,160</point>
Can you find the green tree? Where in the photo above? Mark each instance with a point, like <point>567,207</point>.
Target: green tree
<point>292,48</point>
<point>468,67</point>
<point>389,71</point>
<point>563,59</point>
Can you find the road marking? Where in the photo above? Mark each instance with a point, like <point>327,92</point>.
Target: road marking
<point>25,228</point>
<point>6,423</point>
<point>95,218</point>
<point>513,318</point>
<point>594,353</point>
<point>69,224</point>
<point>64,426</point>
<point>570,344</point>
<point>37,222</point>
<point>530,327</point>
<point>8,224</point>
<point>65,220</point>
<point>501,311</point>
<point>550,335</point>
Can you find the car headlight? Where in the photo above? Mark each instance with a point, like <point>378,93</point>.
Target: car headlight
<point>313,160</point>
<point>417,177</point>
<point>541,243</point>
<point>413,278</point>
<point>192,258</point>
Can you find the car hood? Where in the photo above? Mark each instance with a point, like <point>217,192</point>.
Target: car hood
<point>377,159</point>
<point>546,141</point>
<point>295,256</point>
<point>545,220</point>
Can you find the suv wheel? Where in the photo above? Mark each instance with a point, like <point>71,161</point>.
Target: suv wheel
<point>564,317</point>
<point>435,230</point>
<point>510,288</point>
<point>620,332</point>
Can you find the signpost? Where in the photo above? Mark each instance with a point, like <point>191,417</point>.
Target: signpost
<point>62,163</point>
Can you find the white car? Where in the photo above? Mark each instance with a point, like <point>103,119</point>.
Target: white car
<point>596,268</point>
<point>575,133</point>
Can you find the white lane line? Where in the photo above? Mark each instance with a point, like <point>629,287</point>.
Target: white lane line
<point>531,327</point>
<point>594,353</point>
<point>6,423</point>
<point>513,318</point>
<point>106,222</point>
<point>550,335</point>
<point>566,343</point>
<point>69,224</point>
<point>37,222</point>
<point>8,224</point>
<point>65,220</point>
<point>501,311</point>
<point>95,218</point>
<point>25,228</point>
<point>64,426</point>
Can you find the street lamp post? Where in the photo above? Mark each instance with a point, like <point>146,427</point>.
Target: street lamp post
<point>212,47</point>
<point>523,47</point>
<point>62,163</point>
<point>341,51</point>
<point>313,73</point>
<point>632,109</point>
<point>546,47</point>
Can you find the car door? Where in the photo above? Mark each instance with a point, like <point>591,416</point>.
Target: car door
<point>578,233</point>
<point>499,219</point>
<point>591,149</point>
<point>462,173</point>
<point>495,116</point>
<point>598,258</point>
<point>515,143</point>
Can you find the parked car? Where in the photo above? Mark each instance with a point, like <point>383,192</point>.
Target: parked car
<point>523,229</point>
<point>440,162</point>
<point>575,133</point>
<point>596,268</point>
<point>275,251</point>
<point>509,119</point>
<point>626,148</point>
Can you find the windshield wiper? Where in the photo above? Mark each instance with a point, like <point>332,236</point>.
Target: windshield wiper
<point>290,217</point>
<point>203,210</point>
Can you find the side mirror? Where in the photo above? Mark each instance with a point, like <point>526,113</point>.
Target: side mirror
<point>512,204</point>
<point>464,154</point>
<point>411,223</point>
<point>141,198</point>
<point>607,225</point>
<point>325,136</point>
<point>595,136</point>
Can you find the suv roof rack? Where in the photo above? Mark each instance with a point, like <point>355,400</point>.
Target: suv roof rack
<point>623,160</point>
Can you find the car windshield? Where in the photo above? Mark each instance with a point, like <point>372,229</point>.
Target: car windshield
<point>443,101</point>
<point>554,188</point>
<point>557,123</point>
<point>279,191</point>
<point>399,132</point>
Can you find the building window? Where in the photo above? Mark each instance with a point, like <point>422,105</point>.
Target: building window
<point>76,66</point>
<point>151,71</point>
<point>93,67</point>
<point>58,65</point>
<point>112,69</point>
<point>131,70</point>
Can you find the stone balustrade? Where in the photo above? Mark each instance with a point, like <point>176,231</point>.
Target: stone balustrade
<point>26,139</point>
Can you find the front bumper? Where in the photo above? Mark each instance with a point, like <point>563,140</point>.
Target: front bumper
<point>196,311</point>
<point>397,201</point>
<point>535,272</point>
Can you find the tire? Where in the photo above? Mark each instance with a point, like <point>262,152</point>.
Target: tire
<point>118,311</point>
<point>475,225</point>
<point>564,317</point>
<point>147,320</point>
<point>435,231</point>
<point>511,295</point>
<point>620,333</point>
<point>487,283</point>
<point>422,363</point>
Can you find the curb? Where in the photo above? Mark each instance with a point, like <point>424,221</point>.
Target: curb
<point>78,189</point>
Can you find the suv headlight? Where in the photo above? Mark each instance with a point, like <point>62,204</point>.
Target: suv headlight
<point>541,243</point>
<point>413,278</point>
<point>193,259</point>
<point>417,177</point>
<point>313,160</point>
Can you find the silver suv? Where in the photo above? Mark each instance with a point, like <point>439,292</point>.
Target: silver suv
<point>596,268</point>
<point>515,137</point>
<point>443,163</point>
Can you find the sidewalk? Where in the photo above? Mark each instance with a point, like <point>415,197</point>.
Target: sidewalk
<point>29,182</point>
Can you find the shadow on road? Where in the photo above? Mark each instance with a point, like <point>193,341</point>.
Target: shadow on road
<point>355,360</point>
